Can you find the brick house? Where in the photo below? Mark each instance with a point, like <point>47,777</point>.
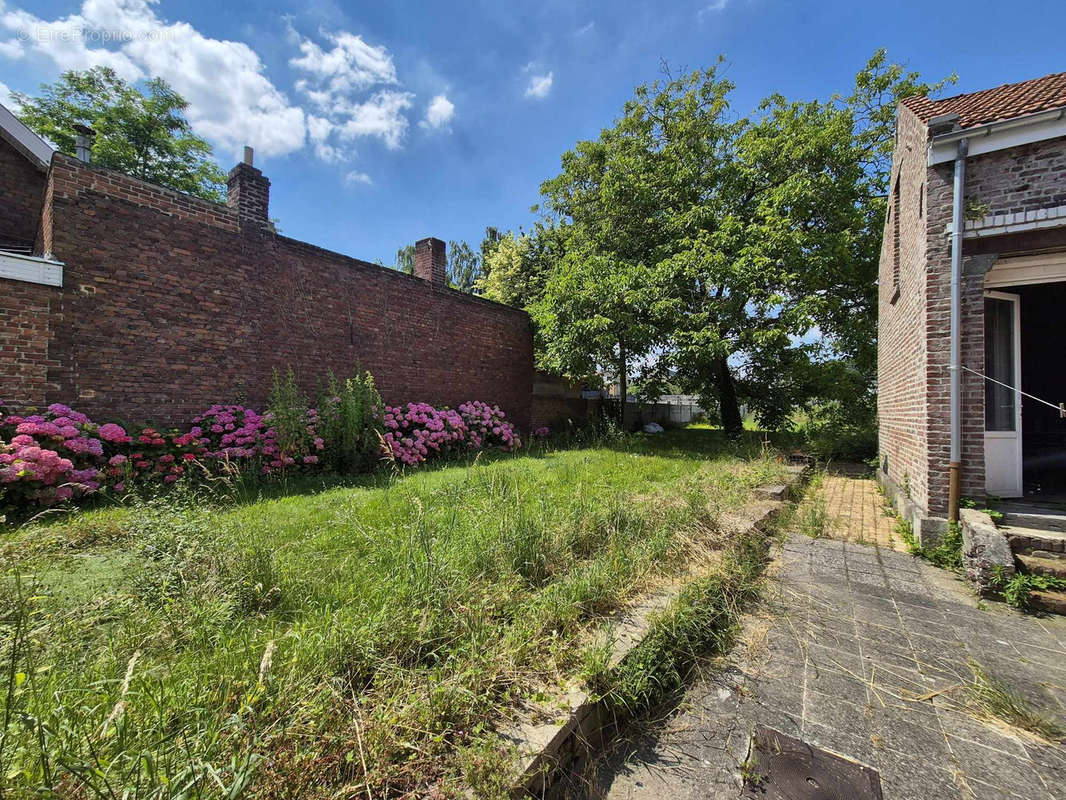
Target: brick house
<point>135,302</point>
<point>978,190</point>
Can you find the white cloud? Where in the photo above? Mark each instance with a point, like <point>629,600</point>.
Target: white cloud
<point>712,7</point>
<point>584,29</point>
<point>336,83</point>
<point>356,178</point>
<point>382,116</point>
<point>347,88</point>
<point>539,86</point>
<point>351,64</point>
<point>231,100</point>
<point>6,98</point>
<point>439,113</point>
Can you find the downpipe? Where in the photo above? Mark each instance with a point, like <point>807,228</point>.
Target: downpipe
<point>955,461</point>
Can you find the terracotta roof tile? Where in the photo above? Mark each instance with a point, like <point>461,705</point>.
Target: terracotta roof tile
<point>992,105</point>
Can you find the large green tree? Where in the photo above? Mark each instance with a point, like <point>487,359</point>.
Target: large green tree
<point>141,131</point>
<point>755,240</point>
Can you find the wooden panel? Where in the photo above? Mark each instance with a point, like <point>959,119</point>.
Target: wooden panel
<point>1022,270</point>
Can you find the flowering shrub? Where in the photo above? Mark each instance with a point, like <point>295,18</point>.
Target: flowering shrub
<point>237,433</point>
<point>54,456</point>
<point>488,428</point>
<point>541,432</point>
<point>418,431</point>
<point>154,457</point>
<point>60,454</point>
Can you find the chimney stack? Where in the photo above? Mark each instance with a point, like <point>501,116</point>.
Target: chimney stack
<point>248,193</point>
<point>83,142</point>
<point>431,261</point>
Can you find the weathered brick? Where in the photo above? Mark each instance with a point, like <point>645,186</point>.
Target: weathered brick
<point>190,308</point>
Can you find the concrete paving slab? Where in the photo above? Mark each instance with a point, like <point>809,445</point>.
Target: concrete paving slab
<point>849,671</point>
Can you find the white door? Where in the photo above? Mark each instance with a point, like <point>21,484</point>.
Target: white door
<point>1003,407</point>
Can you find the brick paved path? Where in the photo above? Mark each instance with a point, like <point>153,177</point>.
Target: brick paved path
<point>857,510</point>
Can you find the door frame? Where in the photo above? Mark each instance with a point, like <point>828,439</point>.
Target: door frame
<point>1015,299</point>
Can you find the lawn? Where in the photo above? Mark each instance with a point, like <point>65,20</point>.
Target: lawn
<point>356,641</point>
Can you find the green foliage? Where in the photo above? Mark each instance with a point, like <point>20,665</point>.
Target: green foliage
<point>492,238</point>
<point>833,431</point>
<point>1017,589</point>
<point>142,133</point>
<point>514,267</point>
<point>464,266</point>
<point>945,553</point>
<point>405,260</point>
<point>350,423</point>
<point>736,257</point>
<point>812,515</point>
<point>702,621</point>
<point>288,410</point>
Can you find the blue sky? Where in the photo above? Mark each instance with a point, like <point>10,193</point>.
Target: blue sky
<point>380,123</point>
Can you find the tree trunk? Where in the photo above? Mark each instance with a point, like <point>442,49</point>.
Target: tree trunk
<point>623,384</point>
<point>727,399</point>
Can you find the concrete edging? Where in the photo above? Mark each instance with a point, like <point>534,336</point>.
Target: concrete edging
<point>557,737</point>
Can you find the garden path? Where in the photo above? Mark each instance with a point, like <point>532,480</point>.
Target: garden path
<point>868,653</point>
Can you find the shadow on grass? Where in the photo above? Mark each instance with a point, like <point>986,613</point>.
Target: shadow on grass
<point>692,442</point>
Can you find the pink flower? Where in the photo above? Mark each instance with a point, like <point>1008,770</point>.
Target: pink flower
<point>110,432</point>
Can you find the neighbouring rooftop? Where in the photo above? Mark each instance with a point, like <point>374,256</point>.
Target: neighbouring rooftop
<point>1009,101</point>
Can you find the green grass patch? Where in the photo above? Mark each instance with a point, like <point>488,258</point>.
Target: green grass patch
<point>1017,589</point>
<point>341,641</point>
<point>703,620</point>
<point>992,698</point>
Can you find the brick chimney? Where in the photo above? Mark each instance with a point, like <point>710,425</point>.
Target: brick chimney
<point>431,261</point>
<point>248,193</point>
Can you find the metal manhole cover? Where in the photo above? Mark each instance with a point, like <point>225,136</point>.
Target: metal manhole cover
<point>780,767</point>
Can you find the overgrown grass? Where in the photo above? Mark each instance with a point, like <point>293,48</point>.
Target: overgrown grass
<point>812,515</point>
<point>945,553</point>
<point>702,620</point>
<point>994,699</point>
<point>347,642</point>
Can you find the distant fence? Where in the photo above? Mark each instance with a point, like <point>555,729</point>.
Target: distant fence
<point>558,402</point>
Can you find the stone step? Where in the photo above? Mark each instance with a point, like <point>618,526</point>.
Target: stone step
<point>1034,564</point>
<point>1041,520</point>
<point>1049,602</point>
<point>1024,539</point>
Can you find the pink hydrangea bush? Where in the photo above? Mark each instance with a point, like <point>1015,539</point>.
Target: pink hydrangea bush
<point>488,427</point>
<point>53,456</point>
<point>417,432</point>
<point>240,434</point>
<point>60,454</point>
<point>154,457</point>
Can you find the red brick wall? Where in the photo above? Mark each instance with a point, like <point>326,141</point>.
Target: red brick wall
<point>25,311</point>
<point>168,307</point>
<point>914,329</point>
<point>1019,179</point>
<point>902,354</point>
<point>22,193</point>
<point>940,180</point>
